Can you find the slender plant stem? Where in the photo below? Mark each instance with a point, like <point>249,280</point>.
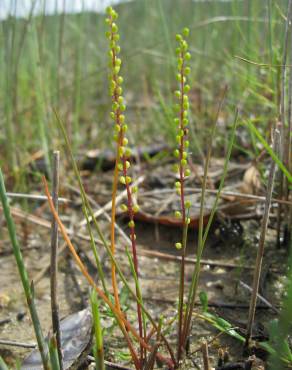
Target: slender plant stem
<point>95,253</point>
<point>282,116</point>
<point>202,239</point>
<point>205,356</point>
<point>260,253</point>
<point>204,186</point>
<point>54,259</point>
<point>54,353</point>
<point>28,289</point>
<point>98,349</point>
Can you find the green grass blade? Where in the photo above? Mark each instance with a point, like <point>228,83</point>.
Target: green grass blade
<point>3,366</point>
<point>54,353</point>
<point>98,349</point>
<point>28,289</point>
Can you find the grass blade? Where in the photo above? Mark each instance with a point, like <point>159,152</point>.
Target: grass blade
<point>98,349</point>
<point>28,289</point>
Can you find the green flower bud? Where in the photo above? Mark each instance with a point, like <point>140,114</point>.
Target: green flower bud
<point>115,106</point>
<point>131,224</point>
<point>177,184</point>
<point>122,180</point>
<point>122,118</point>
<point>186,32</point>
<point>187,143</point>
<point>116,37</point>
<point>187,172</point>
<point>187,88</point>
<point>120,167</point>
<point>120,80</point>
<point>185,155</point>
<point>124,208</point>
<point>188,204</point>
<point>134,189</point>
<point>187,71</point>
<point>185,122</point>
<point>125,128</point>
<point>178,37</point>
<point>176,153</point>
<point>178,246</point>
<point>109,10</point>
<point>125,141</point>
<point>128,152</point>
<point>128,165</point>
<point>128,180</point>
<point>114,27</point>
<point>184,45</point>
<point>117,49</point>
<point>121,151</point>
<point>122,107</point>
<point>177,214</point>
<point>186,105</point>
<point>183,162</point>
<point>188,56</point>
<point>136,208</point>
<point>177,94</point>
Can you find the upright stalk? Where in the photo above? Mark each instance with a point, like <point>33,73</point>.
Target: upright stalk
<point>122,163</point>
<point>115,88</point>
<point>98,349</point>
<point>203,235</point>
<point>182,122</point>
<point>282,116</point>
<point>54,261</point>
<point>260,253</point>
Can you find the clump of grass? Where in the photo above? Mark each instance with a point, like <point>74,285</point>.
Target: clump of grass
<point>121,175</point>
